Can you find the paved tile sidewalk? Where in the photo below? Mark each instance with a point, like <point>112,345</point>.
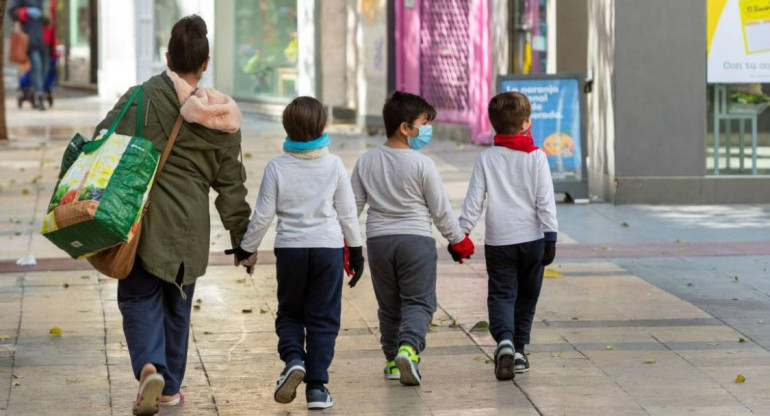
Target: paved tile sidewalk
<point>605,341</point>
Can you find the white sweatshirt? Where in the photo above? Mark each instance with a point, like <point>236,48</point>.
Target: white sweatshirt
<point>404,192</point>
<point>313,201</point>
<point>521,204</point>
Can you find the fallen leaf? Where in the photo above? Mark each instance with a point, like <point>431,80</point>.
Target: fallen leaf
<point>85,277</point>
<point>606,248</point>
<point>199,301</point>
<point>4,337</point>
<point>740,379</point>
<point>690,284</point>
<point>480,326</point>
<point>434,325</point>
<point>556,354</point>
<point>649,361</point>
<point>247,155</point>
<point>240,281</point>
<point>609,348</point>
<point>246,310</point>
<point>575,318</point>
<point>263,311</point>
<point>454,324</point>
<point>206,333</point>
<point>66,285</point>
<point>55,332</point>
<point>25,191</point>
<point>735,279</point>
<point>713,343</point>
<point>197,307</point>
<point>624,225</point>
<point>742,340</point>
<point>15,383</point>
<point>479,358</point>
<point>552,273</point>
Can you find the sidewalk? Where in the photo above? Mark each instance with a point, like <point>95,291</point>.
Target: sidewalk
<point>641,321</point>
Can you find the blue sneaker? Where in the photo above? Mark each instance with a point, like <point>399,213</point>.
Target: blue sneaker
<point>291,377</point>
<point>318,398</point>
<point>407,362</point>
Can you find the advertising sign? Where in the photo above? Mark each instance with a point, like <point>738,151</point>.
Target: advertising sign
<point>738,41</point>
<point>557,124</point>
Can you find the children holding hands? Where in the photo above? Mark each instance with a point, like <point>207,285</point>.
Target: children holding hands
<point>318,236</point>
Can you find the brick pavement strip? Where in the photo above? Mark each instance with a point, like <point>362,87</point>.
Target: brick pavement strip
<point>600,346</point>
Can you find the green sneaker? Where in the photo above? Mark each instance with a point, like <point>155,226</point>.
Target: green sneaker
<point>391,371</point>
<point>407,362</point>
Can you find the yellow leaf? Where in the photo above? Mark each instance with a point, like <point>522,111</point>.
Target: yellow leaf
<point>649,361</point>
<point>740,379</point>
<point>25,191</point>
<point>609,348</point>
<point>247,156</point>
<point>552,273</point>
<point>55,332</point>
<point>479,358</point>
<point>4,337</point>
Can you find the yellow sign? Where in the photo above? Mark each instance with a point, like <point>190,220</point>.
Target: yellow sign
<point>755,19</point>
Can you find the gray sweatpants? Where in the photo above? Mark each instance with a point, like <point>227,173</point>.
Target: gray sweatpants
<point>403,269</point>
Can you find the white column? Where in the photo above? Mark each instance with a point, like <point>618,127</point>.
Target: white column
<point>117,47</point>
<point>372,74</point>
<point>307,61</point>
<point>333,32</point>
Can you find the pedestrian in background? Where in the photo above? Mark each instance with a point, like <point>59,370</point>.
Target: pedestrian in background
<point>521,227</point>
<point>404,192</point>
<point>156,298</point>
<point>30,14</point>
<point>309,190</point>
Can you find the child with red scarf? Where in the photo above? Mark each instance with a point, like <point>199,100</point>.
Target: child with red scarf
<point>521,227</point>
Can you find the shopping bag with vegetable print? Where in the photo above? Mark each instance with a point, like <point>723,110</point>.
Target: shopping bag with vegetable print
<point>98,201</point>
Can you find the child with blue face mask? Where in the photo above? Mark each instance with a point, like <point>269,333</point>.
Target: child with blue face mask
<point>405,195</point>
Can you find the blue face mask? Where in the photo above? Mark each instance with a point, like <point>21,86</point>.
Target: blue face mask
<point>423,137</point>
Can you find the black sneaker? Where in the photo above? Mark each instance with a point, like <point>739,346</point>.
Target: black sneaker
<point>318,398</point>
<point>520,363</point>
<point>504,360</point>
<point>291,377</point>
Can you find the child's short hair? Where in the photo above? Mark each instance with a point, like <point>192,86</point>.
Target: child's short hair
<point>304,119</point>
<point>508,111</point>
<point>403,107</point>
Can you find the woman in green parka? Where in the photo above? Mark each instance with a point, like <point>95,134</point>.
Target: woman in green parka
<point>156,298</point>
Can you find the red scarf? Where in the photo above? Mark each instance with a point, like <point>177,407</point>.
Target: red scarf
<point>520,142</point>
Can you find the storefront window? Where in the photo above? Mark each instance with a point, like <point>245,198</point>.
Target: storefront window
<point>265,49</point>
<point>530,37</point>
<point>738,76</point>
<point>167,13</point>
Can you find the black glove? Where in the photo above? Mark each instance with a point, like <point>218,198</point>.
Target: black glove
<point>455,255</point>
<point>356,264</point>
<point>240,254</point>
<point>550,252</point>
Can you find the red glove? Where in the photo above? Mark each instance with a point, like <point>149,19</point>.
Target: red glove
<point>462,250</point>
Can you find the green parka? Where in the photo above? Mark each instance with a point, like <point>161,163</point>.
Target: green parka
<point>174,243</point>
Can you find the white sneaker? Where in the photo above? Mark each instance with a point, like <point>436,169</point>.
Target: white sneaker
<point>520,363</point>
<point>504,359</point>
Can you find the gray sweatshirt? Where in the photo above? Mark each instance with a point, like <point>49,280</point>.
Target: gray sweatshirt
<point>313,201</point>
<point>404,193</point>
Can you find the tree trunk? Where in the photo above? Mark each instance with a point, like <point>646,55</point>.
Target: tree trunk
<point>3,125</point>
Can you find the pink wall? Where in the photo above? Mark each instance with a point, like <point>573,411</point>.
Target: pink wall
<point>480,79</point>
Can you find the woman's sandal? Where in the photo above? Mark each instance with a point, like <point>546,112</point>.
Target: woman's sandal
<point>147,401</point>
<point>176,401</point>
